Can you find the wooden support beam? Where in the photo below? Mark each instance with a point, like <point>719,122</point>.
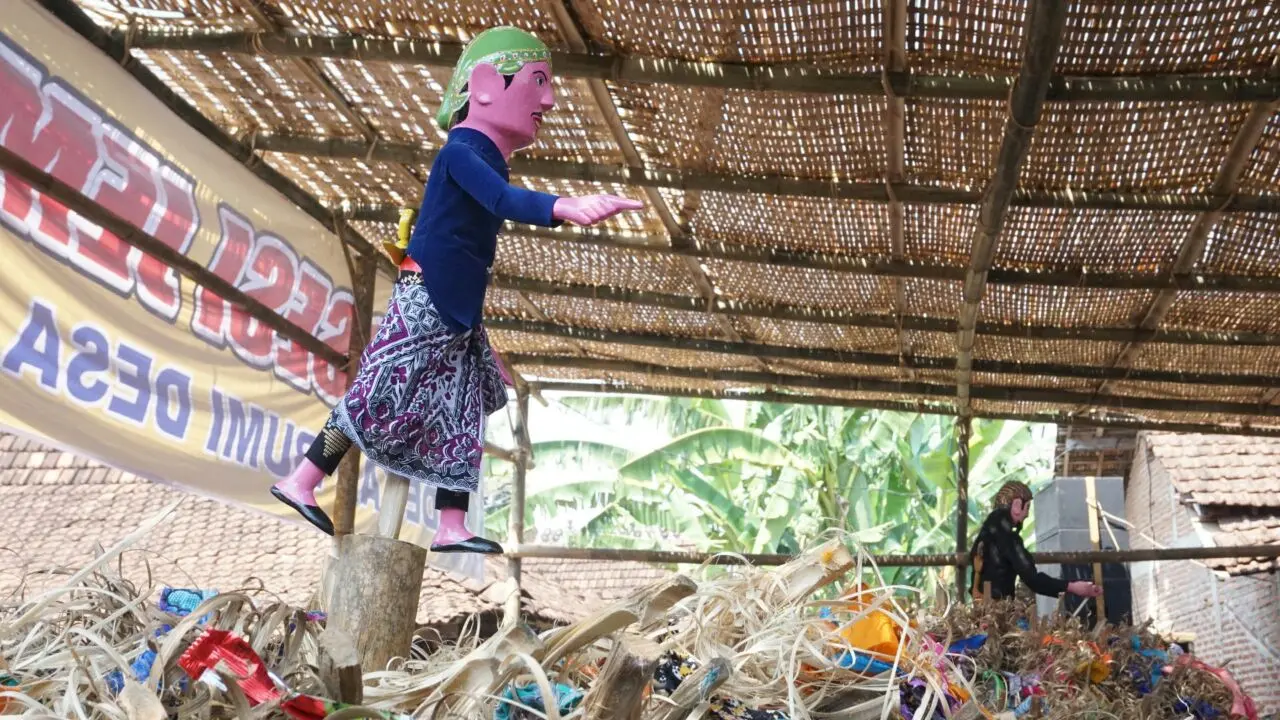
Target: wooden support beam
<point>781,78</point>
<point>515,520</point>
<point>832,355</point>
<point>1099,419</point>
<point>963,435</point>
<point>619,692</point>
<point>1095,540</point>
<point>780,185</point>
<point>853,383</point>
<point>339,666</point>
<point>1191,251</point>
<point>377,582</point>
<point>895,125</point>
<point>1045,22</point>
<point>19,169</point>
<point>764,254</point>
<point>364,271</point>
<point>682,557</point>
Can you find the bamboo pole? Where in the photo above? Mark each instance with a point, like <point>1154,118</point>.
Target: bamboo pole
<point>893,267</point>
<point>515,521</point>
<point>963,432</point>
<point>825,316</point>
<point>1046,20</point>
<point>1095,540</point>
<point>855,383</point>
<point>348,148</point>
<point>363,278</point>
<point>935,560</point>
<point>833,355</point>
<point>90,210</point>
<point>782,78</point>
<point>918,406</point>
<point>895,125</point>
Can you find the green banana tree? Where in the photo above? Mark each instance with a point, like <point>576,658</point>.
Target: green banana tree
<point>770,477</point>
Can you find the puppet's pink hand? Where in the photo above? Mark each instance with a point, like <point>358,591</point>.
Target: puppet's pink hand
<point>592,209</point>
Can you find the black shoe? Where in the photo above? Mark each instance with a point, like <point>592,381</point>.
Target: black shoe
<point>313,514</point>
<point>475,544</point>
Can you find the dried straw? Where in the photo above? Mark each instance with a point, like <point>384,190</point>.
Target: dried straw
<point>61,645</point>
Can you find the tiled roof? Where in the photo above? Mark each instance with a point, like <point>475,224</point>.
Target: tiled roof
<point>1236,482</point>
<point>66,505</point>
<point>606,580</point>
<point>1221,469</point>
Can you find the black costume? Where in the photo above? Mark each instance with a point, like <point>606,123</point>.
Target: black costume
<point>999,557</point>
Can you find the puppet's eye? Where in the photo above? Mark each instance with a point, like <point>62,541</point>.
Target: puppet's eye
<point>541,81</point>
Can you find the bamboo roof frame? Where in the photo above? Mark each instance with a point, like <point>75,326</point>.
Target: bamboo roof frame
<point>799,79</point>
<point>1133,377</point>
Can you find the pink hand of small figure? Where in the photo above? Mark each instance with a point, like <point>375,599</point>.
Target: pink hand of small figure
<point>592,209</point>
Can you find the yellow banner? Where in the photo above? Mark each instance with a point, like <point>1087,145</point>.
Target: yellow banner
<point>108,352</point>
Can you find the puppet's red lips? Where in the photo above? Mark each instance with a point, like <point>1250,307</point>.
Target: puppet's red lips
<point>537,117</point>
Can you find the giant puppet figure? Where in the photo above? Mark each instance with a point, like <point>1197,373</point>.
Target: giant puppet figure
<point>998,556</point>
<point>428,379</point>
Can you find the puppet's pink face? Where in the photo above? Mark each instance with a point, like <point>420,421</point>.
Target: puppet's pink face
<point>514,111</point>
<point>1019,510</point>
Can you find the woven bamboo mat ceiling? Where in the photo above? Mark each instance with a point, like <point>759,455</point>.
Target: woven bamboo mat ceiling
<point>1066,210</point>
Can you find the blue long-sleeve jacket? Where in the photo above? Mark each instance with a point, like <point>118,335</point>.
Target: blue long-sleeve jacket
<point>468,197</point>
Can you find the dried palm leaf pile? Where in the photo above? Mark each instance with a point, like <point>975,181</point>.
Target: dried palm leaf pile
<point>741,643</point>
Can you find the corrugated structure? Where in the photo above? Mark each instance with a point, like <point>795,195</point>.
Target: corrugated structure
<point>1050,210</point>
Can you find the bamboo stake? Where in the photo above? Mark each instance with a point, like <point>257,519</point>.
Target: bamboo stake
<point>515,522</point>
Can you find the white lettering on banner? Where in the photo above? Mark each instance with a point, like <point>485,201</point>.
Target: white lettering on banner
<point>50,125</point>
<point>123,381</point>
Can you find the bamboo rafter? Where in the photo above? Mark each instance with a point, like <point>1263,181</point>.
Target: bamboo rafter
<point>795,79</point>
<point>928,407</point>
<point>832,355</point>
<point>1045,23</point>
<point>827,316</point>
<point>855,383</point>
<point>345,148</point>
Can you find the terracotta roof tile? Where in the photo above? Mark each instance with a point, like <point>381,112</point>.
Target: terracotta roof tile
<point>1236,481</point>
<point>1221,469</point>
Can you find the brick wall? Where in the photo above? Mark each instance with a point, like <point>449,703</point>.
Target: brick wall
<point>1236,621</point>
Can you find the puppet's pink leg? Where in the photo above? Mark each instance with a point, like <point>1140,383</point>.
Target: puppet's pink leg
<point>452,536</point>
<point>298,491</point>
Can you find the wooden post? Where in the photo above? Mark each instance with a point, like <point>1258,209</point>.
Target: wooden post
<point>375,596</point>
<point>395,498</point>
<point>339,667</point>
<point>364,272</point>
<point>515,525</point>
<point>1095,538</point>
<point>964,430</point>
<point>619,692</point>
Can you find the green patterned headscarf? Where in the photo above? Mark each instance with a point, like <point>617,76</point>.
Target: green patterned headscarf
<point>505,48</point>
